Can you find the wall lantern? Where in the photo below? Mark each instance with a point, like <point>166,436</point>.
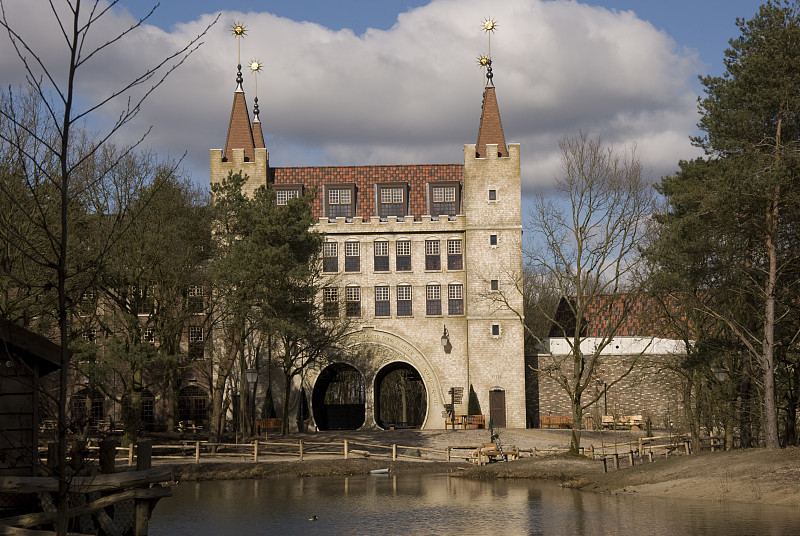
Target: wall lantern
<point>445,337</point>
<point>252,376</point>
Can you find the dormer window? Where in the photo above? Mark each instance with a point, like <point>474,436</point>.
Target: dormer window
<point>340,201</point>
<point>285,192</point>
<point>392,200</point>
<point>444,198</point>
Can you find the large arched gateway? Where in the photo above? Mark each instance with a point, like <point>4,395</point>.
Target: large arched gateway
<point>338,398</point>
<point>400,397</point>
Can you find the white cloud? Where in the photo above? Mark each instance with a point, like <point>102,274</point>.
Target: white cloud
<point>410,94</point>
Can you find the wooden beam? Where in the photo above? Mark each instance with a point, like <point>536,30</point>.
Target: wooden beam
<point>126,479</point>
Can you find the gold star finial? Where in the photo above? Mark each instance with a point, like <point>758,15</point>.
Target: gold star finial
<point>483,60</point>
<point>238,29</point>
<point>489,25</point>
<point>255,66</point>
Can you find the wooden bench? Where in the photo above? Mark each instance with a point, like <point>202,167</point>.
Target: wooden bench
<point>562,421</point>
<point>476,421</point>
<point>453,422</point>
<point>272,425</point>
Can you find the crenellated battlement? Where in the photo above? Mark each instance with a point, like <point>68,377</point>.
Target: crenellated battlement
<point>392,224</point>
<point>255,170</point>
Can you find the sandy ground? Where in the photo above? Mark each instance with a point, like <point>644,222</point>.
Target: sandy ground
<point>752,476</point>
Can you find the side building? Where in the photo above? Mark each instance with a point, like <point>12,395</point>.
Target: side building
<point>418,257</point>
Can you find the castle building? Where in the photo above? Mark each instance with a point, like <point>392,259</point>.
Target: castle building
<point>423,260</point>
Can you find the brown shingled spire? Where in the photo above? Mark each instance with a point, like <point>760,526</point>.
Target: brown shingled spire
<point>240,134</point>
<point>491,128</point>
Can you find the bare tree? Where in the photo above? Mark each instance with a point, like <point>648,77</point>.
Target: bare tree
<point>583,248</point>
<point>59,157</point>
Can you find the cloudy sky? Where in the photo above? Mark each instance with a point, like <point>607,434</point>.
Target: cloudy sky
<point>396,81</point>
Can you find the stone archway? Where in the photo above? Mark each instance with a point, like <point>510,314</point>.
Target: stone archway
<point>338,398</point>
<point>372,350</point>
<point>401,400</point>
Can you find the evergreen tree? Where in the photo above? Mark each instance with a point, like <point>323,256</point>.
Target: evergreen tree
<point>732,219</point>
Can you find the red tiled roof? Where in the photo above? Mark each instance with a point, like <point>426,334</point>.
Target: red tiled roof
<point>491,128</point>
<point>365,177</point>
<point>638,316</point>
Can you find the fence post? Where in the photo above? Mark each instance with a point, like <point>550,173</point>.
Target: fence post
<point>688,448</point>
<point>650,456</point>
<point>301,450</point>
<point>108,456</point>
<point>196,452</point>
<point>394,451</point>
<point>630,457</point>
<point>641,452</point>
<point>346,450</point>
<point>666,452</point>
<point>448,454</point>
<point>255,450</point>
<point>605,467</point>
<point>144,453</point>
<point>616,461</point>
<point>130,454</point>
<point>591,451</point>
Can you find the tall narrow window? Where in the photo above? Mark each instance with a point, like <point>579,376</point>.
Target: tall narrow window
<point>494,284</point>
<point>404,300</point>
<point>352,257</point>
<point>382,304</point>
<point>381,262</point>
<point>433,260</point>
<point>455,299</point>
<point>492,195</point>
<point>454,258</point>
<point>492,239</point>
<point>353,301</point>
<point>403,258</point>
<point>330,302</point>
<point>433,300</point>
<point>330,257</point>
<point>196,342</point>
<point>196,299</point>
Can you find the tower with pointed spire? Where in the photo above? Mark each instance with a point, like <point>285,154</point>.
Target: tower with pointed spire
<point>410,249</point>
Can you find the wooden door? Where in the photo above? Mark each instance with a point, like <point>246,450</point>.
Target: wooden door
<point>497,408</point>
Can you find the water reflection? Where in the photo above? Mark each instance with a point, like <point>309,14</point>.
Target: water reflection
<point>438,504</point>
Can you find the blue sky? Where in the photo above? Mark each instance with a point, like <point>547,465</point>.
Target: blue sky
<point>395,81</point>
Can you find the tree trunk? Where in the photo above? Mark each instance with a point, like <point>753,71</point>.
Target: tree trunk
<point>768,356</point>
<point>577,424</point>
<point>287,389</point>
<point>745,403</point>
<point>132,411</point>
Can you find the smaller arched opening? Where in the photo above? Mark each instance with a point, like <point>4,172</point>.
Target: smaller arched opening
<point>401,400</point>
<point>338,398</point>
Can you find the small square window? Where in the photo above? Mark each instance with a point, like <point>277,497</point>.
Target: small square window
<point>492,195</point>
<point>493,240</point>
<point>495,284</point>
<point>495,330</point>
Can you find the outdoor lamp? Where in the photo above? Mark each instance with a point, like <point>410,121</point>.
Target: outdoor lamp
<point>445,337</point>
<point>252,376</point>
<point>720,374</point>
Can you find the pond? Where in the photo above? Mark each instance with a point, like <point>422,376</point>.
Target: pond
<point>441,504</point>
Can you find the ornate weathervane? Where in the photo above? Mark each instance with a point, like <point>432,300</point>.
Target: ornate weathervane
<point>485,61</point>
<point>238,29</point>
<point>255,66</point>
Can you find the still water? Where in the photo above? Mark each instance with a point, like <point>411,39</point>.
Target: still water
<point>438,504</point>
